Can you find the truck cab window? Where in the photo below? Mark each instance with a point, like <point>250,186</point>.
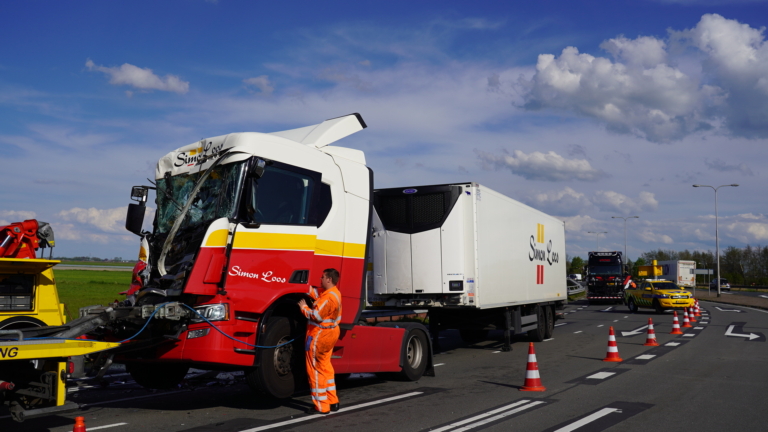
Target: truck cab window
<point>324,204</point>
<point>281,197</point>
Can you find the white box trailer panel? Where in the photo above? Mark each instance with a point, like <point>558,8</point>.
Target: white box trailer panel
<point>484,248</point>
<point>679,271</point>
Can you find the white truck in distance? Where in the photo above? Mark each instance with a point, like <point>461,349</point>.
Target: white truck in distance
<point>476,259</point>
<point>679,272</point>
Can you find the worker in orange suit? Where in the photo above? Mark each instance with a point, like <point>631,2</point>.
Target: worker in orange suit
<point>322,333</point>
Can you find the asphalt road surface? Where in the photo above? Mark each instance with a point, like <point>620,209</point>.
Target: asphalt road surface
<point>712,378</point>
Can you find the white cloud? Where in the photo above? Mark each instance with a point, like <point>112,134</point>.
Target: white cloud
<point>109,220</point>
<point>649,236</point>
<point>144,79</point>
<point>565,202</point>
<point>610,201</point>
<point>10,216</point>
<point>548,166</point>
<point>718,164</point>
<point>262,83</point>
<point>642,91</point>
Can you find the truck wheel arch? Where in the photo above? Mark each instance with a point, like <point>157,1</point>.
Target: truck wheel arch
<point>411,327</point>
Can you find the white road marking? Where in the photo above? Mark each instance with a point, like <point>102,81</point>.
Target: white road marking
<point>316,417</point>
<point>600,325</point>
<point>488,420</point>
<point>558,325</point>
<point>730,332</point>
<point>577,332</point>
<point>626,317</point>
<point>588,419</point>
<point>698,328</point>
<point>495,352</point>
<point>547,340</point>
<point>615,320</point>
<point>607,310</point>
<point>439,364</point>
<point>645,357</point>
<point>107,426</point>
<point>636,331</point>
<point>672,344</point>
<point>601,375</point>
<point>726,310</point>
<point>689,335</point>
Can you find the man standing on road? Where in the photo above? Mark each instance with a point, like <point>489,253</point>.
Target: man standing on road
<point>322,333</point>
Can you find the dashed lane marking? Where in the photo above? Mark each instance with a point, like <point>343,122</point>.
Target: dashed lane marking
<point>494,415</point>
<point>439,364</point>
<point>577,332</point>
<point>595,378</point>
<point>106,426</point>
<point>601,375</point>
<point>645,357</point>
<point>672,344</point>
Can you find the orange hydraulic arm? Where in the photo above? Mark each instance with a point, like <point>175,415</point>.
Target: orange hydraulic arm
<point>19,239</point>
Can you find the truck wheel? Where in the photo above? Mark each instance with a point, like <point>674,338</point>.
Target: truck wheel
<point>160,376</point>
<point>549,313</point>
<point>632,306</point>
<point>472,336</point>
<point>280,367</point>
<point>21,322</point>
<point>537,334</point>
<point>414,357</point>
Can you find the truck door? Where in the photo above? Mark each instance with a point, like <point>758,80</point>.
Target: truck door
<point>273,253</point>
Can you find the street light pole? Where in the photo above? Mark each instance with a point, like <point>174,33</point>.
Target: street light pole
<point>625,232</point>
<point>598,237</point>
<point>717,237</point>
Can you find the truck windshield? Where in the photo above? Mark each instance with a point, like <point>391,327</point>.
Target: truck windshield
<point>217,197</point>
<point>605,270</point>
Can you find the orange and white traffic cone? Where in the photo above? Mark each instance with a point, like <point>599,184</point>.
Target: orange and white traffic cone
<point>79,424</point>
<point>650,340</point>
<point>696,308</point>
<point>613,350</point>
<point>691,315</point>
<point>676,326</point>
<point>532,378</point>
<point>686,321</point>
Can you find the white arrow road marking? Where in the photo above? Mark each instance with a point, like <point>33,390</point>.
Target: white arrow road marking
<point>763,296</point>
<point>610,308</point>
<point>636,331</point>
<point>730,332</point>
<point>726,310</point>
<point>588,419</point>
<point>489,413</point>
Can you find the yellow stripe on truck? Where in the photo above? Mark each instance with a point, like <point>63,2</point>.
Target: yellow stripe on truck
<point>282,241</point>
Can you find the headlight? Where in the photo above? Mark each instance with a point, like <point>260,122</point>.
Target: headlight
<point>214,312</point>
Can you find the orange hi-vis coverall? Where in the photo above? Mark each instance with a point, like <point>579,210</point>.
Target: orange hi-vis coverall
<point>322,334</point>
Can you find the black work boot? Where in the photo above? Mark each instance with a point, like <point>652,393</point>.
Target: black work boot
<point>335,407</point>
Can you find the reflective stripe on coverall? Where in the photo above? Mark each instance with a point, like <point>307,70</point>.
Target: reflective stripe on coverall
<point>322,333</point>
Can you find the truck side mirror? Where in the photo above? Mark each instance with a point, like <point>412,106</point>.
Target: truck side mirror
<point>256,170</point>
<point>134,220</point>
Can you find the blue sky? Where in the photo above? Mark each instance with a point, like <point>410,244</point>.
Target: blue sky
<point>584,110</point>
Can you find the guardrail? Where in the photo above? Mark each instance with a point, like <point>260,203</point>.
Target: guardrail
<point>576,290</point>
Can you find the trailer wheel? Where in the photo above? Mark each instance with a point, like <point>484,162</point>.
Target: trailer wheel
<point>550,316</point>
<point>21,322</point>
<point>537,334</point>
<point>414,357</point>
<point>160,376</point>
<point>280,367</point>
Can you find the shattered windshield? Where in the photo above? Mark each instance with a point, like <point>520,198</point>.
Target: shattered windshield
<point>217,197</point>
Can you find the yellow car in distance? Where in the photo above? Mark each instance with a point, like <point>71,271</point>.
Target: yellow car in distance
<point>659,295</point>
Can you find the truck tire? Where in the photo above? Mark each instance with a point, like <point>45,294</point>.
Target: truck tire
<point>415,355</point>
<point>550,317</point>
<point>21,322</point>
<point>281,368</point>
<point>472,336</point>
<point>537,334</point>
<point>159,376</point>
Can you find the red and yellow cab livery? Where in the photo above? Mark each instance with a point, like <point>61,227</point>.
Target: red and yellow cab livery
<point>659,295</point>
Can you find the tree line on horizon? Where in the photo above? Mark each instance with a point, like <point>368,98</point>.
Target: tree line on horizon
<point>740,266</point>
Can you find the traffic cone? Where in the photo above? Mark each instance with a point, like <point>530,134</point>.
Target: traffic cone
<point>613,350</point>
<point>691,315</point>
<point>650,340</point>
<point>676,326</point>
<point>686,322</point>
<point>532,379</point>
<point>79,424</point>
<point>696,307</point>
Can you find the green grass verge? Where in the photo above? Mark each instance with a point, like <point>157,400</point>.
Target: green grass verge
<point>78,288</point>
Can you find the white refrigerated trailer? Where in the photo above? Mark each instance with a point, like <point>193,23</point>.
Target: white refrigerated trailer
<point>474,258</point>
<point>679,271</point>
